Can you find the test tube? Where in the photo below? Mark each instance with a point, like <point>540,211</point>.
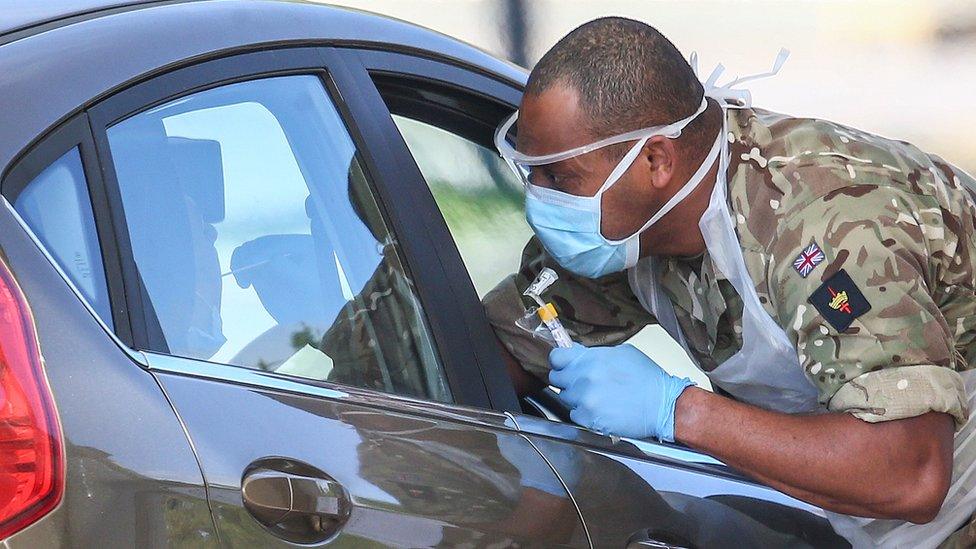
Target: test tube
<point>547,313</point>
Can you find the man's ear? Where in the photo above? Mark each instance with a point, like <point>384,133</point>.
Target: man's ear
<point>661,159</point>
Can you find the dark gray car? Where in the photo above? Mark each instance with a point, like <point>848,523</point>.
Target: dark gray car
<point>239,300</point>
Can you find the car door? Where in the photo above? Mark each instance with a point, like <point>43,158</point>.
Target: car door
<point>125,474</point>
<point>630,492</point>
<point>282,283</point>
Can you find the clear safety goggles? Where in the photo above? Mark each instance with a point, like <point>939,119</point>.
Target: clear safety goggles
<point>521,163</point>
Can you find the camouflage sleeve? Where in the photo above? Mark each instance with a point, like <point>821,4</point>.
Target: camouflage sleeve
<point>379,341</point>
<point>601,311</point>
<point>867,330</point>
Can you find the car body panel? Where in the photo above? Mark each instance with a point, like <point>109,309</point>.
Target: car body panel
<point>413,479</point>
<point>131,476</point>
<point>20,15</point>
<point>61,70</point>
<point>678,495</point>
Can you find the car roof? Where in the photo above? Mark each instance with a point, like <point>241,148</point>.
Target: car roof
<point>60,56</point>
<point>18,15</point>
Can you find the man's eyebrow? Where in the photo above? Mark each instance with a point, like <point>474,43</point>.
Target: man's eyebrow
<point>562,166</point>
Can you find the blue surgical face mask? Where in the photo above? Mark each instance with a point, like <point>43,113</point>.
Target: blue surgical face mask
<point>569,226</point>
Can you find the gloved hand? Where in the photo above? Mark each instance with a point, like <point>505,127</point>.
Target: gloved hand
<point>616,390</point>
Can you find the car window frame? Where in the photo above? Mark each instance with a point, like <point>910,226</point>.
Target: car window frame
<point>491,88</point>
<point>342,81</point>
<point>75,133</point>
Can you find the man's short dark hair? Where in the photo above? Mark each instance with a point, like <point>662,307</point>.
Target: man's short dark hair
<point>627,76</point>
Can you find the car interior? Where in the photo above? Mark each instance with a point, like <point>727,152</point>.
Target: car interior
<point>183,311</point>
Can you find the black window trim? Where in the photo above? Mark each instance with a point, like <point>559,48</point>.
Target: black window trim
<point>496,93</point>
<point>76,133</point>
<point>454,299</point>
<point>343,79</point>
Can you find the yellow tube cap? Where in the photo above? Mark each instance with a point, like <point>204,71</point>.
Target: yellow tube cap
<point>547,312</point>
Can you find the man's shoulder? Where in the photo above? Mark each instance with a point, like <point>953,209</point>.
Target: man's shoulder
<point>782,164</point>
<point>808,158</point>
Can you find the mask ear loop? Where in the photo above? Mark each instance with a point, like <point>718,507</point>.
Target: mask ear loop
<point>693,183</point>
<point>622,166</point>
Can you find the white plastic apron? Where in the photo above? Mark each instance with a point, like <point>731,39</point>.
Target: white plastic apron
<point>766,371</point>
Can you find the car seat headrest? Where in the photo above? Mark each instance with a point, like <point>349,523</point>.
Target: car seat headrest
<point>199,167</point>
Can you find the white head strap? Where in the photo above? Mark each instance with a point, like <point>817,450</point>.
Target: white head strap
<point>732,98</point>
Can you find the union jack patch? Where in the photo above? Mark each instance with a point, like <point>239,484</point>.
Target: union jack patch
<point>808,259</point>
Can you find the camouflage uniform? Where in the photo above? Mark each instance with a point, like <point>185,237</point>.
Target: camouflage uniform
<point>380,341</point>
<point>898,221</point>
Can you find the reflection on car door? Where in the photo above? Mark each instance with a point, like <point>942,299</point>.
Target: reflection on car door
<point>280,314</point>
<point>671,496</point>
<point>393,472</point>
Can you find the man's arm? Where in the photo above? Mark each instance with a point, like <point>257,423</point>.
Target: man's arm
<point>896,469</point>
<point>881,354</point>
<point>595,312</point>
<point>524,382</point>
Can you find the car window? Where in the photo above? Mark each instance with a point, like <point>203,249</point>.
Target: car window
<point>259,243</point>
<point>483,204</point>
<point>480,198</point>
<point>57,207</point>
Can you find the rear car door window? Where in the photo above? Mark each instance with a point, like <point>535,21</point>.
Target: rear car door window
<point>57,207</point>
<point>259,243</point>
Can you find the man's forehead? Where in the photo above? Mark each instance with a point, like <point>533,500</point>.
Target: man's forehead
<point>551,122</point>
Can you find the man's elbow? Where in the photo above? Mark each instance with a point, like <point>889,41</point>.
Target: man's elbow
<point>924,494</point>
<point>924,490</point>
<point>924,482</point>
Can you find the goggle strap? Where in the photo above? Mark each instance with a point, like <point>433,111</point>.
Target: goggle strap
<point>670,130</point>
<point>781,58</point>
<point>723,93</point>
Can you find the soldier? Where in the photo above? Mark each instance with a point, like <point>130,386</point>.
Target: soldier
<point>821,276</point>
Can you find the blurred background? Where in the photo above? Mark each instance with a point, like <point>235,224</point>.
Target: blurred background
<point>898,68</point>
<point>903,69</point>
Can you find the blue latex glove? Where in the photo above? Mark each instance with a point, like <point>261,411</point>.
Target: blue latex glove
<point>616,390</point>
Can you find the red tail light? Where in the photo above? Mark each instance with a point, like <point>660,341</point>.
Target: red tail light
<point>31,480</point>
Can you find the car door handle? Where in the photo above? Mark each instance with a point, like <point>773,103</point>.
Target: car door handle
<point>654,539</point>
<point>296,506</point>
<point>652,544</point>
<point>317,496</point>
